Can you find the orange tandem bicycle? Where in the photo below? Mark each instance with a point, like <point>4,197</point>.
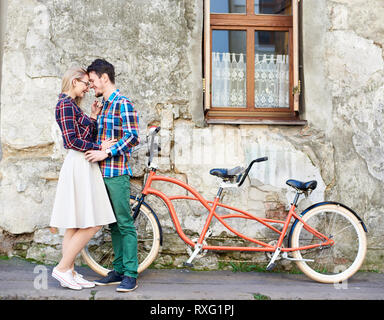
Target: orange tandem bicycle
<point>327,240</point>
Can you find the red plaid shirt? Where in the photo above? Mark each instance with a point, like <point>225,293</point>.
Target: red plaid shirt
<point>79,131</point>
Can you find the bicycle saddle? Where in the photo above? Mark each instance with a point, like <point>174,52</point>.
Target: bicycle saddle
<point>303,186</point>
<point>226,173</point>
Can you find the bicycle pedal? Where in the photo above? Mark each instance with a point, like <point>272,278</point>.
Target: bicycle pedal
<point>187,264</point>
<point>271,266</point>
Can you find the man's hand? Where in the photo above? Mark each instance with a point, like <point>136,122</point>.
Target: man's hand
<point>95,155</point>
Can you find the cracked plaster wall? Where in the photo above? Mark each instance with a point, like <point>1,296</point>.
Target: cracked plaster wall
<point>344,73</point>
<point>3,19</point>
<point>156,49</point>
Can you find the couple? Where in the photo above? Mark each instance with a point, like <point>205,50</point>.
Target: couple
<point>94,183</point>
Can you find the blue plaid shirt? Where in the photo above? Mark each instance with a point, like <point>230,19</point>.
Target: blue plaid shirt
<point>118,120</point>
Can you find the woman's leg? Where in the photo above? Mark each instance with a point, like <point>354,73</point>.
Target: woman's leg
<point>74,245</point>
<point>67,237</point>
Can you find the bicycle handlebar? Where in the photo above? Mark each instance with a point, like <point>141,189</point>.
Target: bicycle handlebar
<point>249,168</point>
<point>152,132</point>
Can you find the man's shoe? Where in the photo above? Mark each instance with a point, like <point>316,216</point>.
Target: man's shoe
<point>112,277</point>
<point>127,284</point>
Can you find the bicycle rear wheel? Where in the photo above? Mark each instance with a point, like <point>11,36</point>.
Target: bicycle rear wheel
<point>98,254</point>
<point>336,263</point>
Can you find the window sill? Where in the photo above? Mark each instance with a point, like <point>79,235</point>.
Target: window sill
<point>285,122</point>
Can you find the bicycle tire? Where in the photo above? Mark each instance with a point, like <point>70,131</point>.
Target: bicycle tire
<point>335,263</point>
<point>98,253</point>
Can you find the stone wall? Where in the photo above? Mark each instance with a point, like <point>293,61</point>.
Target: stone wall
<point>156,49</point>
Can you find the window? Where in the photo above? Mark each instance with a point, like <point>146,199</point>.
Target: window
<point>251,60</point>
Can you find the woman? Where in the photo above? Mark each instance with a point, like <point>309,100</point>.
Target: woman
<point>81,204</point>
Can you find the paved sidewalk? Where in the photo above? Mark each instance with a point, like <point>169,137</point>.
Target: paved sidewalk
<point>20,279</point>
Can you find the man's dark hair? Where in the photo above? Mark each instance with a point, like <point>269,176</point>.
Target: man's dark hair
<point>100,66</point>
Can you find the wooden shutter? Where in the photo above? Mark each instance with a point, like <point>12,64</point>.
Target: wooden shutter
<point>207,55</point>
<point>296,81</point>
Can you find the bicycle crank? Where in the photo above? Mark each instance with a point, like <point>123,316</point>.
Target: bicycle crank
<point>284,255</point>
<point>197,253</point>
<point>201,253</point>
<point>272,263</point>
<point>269,254</point>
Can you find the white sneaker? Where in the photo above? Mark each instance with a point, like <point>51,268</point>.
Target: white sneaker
<point>81,281</point>
<point>66,279</point>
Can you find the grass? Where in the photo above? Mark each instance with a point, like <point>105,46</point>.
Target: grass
<point>248,267</point>
<point>259,296</point>
<point>93,293</point>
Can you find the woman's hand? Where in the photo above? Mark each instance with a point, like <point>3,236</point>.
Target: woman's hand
<point>53,230</point>
<point>106,144</point>
<point>96,109</point>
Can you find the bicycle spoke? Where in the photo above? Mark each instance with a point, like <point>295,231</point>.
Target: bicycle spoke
<point>100,256</point>
<point>347,227</point>
<point>106,255</point>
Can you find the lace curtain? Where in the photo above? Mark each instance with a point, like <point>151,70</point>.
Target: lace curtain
<point>271,81</point>
<point>229,80</point>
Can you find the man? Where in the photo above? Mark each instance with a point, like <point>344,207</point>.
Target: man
<point>117,120</point>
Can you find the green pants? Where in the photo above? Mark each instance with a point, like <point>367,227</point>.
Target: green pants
<point>123,232</point>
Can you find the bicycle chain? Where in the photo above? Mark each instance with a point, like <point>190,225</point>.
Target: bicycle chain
<point>232,239</point>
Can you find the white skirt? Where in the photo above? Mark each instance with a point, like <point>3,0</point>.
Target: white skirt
<point>81,197</point>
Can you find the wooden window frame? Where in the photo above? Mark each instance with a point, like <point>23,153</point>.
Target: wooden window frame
<point>250,23</point>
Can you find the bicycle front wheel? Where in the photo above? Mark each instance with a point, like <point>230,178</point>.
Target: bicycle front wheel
<point>336,263</point>
<point>98,254</point>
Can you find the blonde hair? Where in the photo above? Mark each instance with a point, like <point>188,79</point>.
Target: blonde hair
<point>69,76</point>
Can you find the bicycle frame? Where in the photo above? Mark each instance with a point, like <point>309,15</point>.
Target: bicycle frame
<point>211,207</point>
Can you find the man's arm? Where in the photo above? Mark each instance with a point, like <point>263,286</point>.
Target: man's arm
<point>130,127</point>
